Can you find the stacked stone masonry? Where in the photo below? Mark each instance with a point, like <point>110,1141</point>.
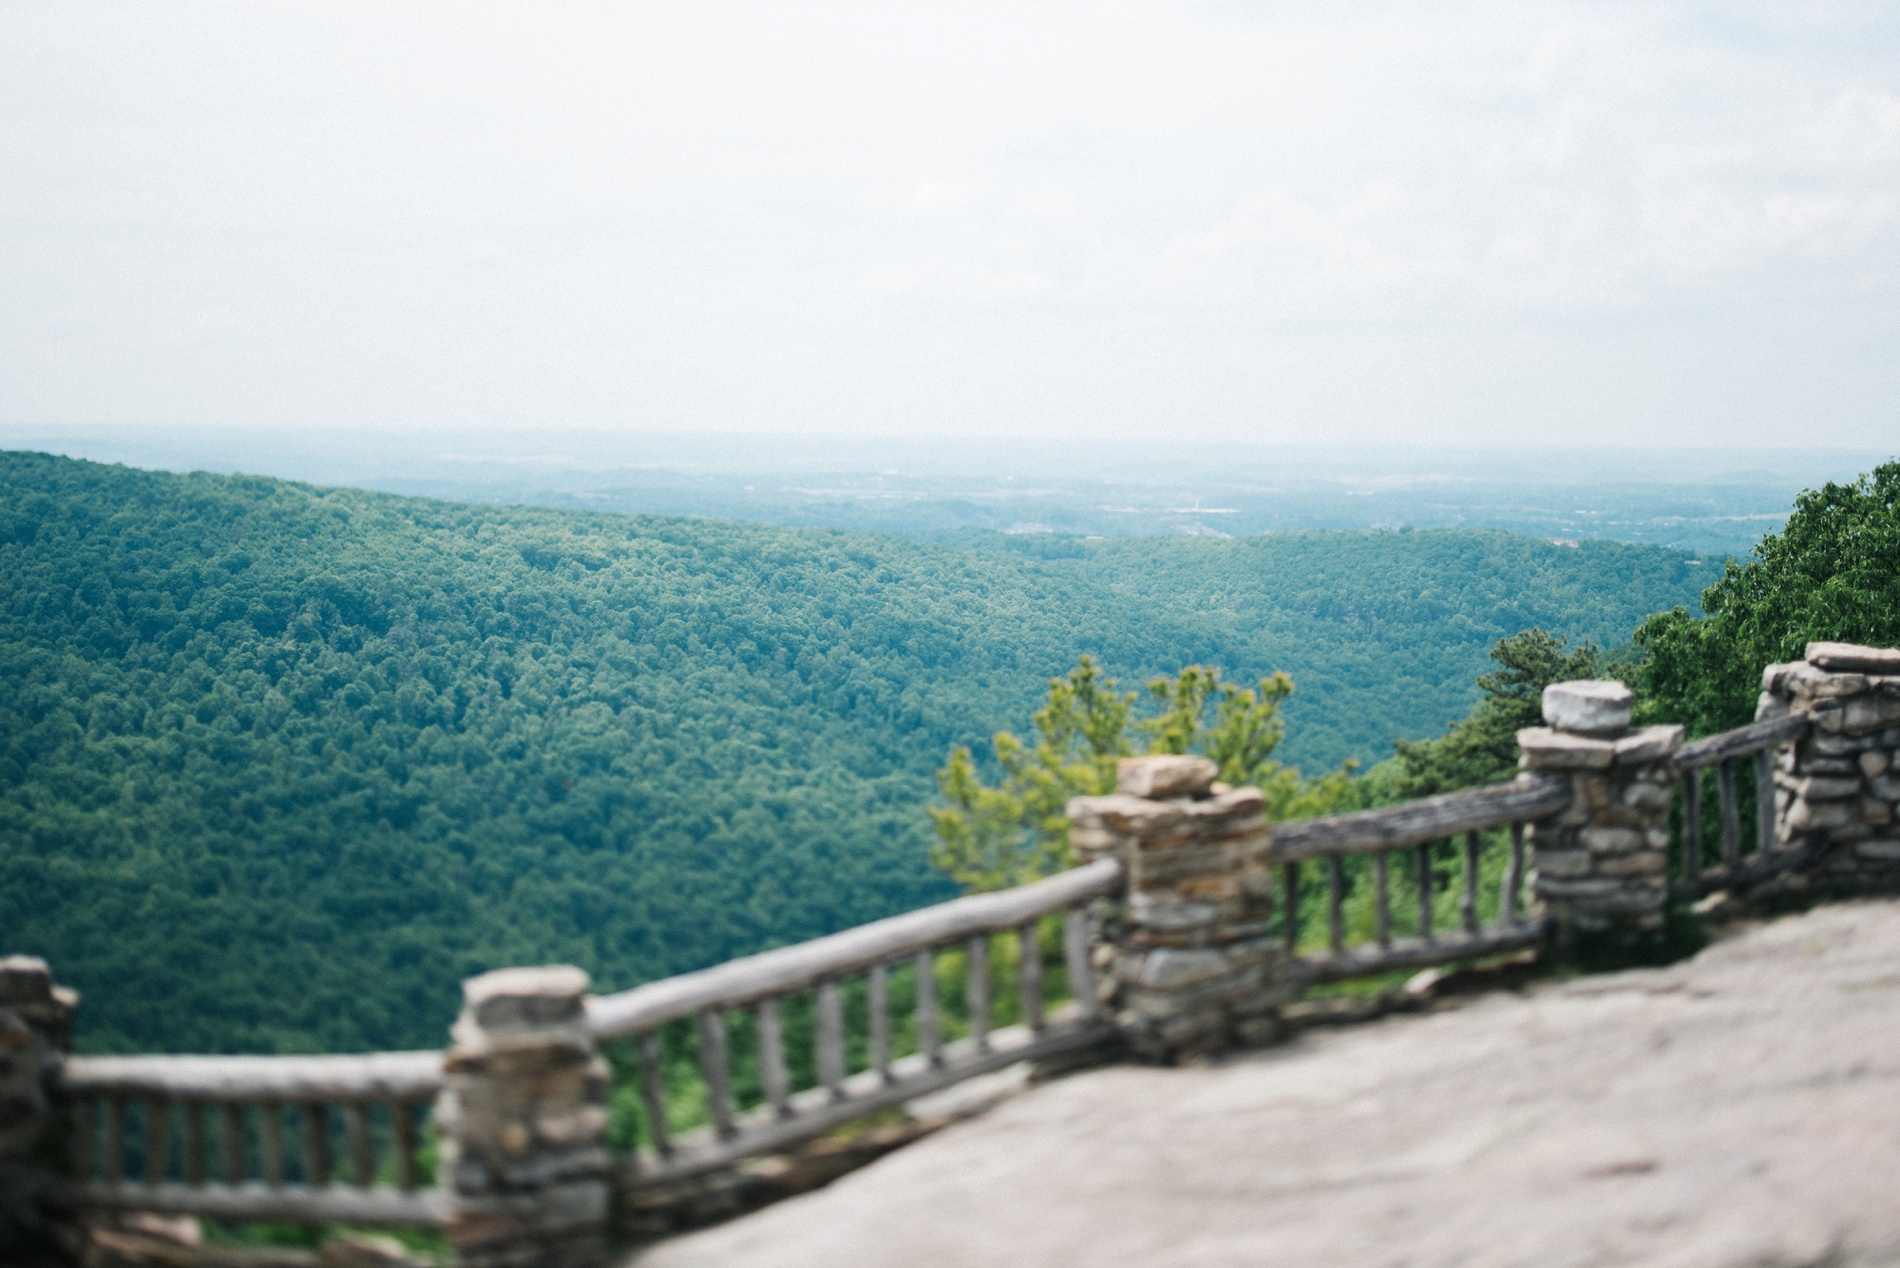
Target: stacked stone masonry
<point>1602,863</point>
<point>1189,963</point>
<point>1837,790</point>
<point>36,1019</point>
<point>523,1118</point>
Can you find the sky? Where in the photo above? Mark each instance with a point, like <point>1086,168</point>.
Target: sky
<point>1522,223</point>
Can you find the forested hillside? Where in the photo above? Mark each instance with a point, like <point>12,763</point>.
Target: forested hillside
<point>279,765</point>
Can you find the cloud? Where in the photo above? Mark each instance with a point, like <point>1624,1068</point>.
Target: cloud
<point>1377,218</point>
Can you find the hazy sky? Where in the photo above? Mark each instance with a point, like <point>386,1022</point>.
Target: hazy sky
<point>1533,222</point>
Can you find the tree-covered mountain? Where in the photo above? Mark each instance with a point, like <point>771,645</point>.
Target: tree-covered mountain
<point>280,764</point>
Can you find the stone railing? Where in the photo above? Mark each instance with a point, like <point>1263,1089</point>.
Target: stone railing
<point>1190,926</point>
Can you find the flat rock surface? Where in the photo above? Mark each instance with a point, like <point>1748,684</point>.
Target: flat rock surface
<point>1740,1108</point>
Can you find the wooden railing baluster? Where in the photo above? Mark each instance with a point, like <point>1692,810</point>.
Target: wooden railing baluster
<point>402,1130</point>
<point>1029,975</point>
<point>192,1111</point>
<point>115,1140</point>
<point>231,1121</point>
<point>1382,898</point>
<point>831,1038</point>
<point>1513,876</point>
<point>652,1097</point>
<point>1468,898</point>
<point>1692,824</point>
<point>85,1139</point>
<point>714,1068</point>
<point>1075,948</point>
<point>1764,801</point>
<point>978,952</point>
<point>316,1145</point>
<point>877,990</point>
<point>1731,814</point>
<point>1335,902</point>
<point>929,1037</point>
<point>1290,907</point>
<point>1425,890</point>
<point>155,1139</point>
<point>270,1142</point>
<point>362,1159</point>
<point>778,1087</point>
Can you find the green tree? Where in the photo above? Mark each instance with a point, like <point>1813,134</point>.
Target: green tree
<point>1481,748</point>
<point>991,838</point>
<point>1832,572</point>
<point>994,837</point>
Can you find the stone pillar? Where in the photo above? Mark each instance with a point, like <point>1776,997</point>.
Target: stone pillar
<point>523,1118</point>
<point>1837,790</point>
<point>1190,965</point>
<point>1602,865</point>
<point>36,1019</point>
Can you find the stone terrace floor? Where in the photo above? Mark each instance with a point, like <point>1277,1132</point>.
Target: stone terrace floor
<point>1740,1108</point>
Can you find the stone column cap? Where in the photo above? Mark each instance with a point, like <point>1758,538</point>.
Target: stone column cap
<point>1165,775</point>
<point>1546,748</point>
<point>1854,658</point>
<point>1651,744</point>
<point>1589,706</point>
<point>1123,812</point>
<point>525,998</point>
<point>25,979</point>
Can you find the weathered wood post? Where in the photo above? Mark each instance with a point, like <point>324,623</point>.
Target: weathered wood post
<point>523,1120</point>
<point>1192,967</point>
<point>1838,787</point>
<point>36,1019</point>
<point>1602,865</point>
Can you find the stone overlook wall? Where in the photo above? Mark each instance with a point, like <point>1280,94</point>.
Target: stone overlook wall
<point>1837,790</point>
<point>1188,913</point>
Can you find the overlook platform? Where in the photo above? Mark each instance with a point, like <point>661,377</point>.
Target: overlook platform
<point>1740,1108</point>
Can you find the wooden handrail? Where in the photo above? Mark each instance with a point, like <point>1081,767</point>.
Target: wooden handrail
<point>382,1076</point>
<point>1427,819</point>
<point>1753,738</point>
<point>738,983</point>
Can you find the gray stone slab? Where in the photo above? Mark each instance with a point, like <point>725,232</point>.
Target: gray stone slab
<point>1165,776</point>
<point>1546,748</point>
<point>1740,1109</point>
<point>1854,657</point>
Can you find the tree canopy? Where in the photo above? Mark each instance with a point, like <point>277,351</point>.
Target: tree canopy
<point>1831,573</point>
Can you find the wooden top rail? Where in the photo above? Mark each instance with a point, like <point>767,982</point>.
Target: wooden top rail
<point>387,1076</point>
<point>422,1208</point>
<point>1756,737</point>
<point>1428,819</point>
<point>756,977</point>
